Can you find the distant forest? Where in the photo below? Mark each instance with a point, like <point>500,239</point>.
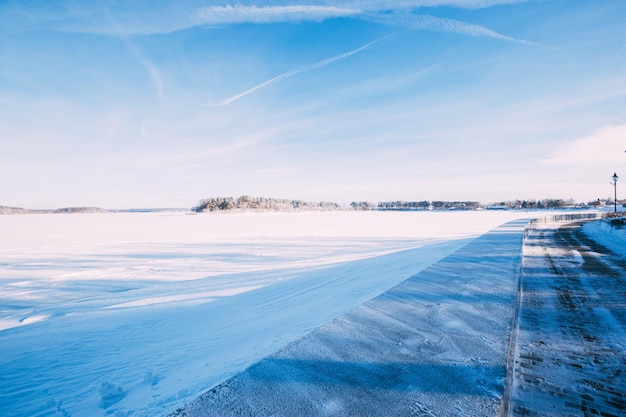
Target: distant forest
<point>416,205</point>
<point>261,203</point>
<point>247,203</point>
<point>217,204</point>
<point>66,210</point>
<point>548,203</point>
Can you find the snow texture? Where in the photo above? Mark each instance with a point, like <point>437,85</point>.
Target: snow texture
<point>434,345</point>
<point>611,237</point>
<point>137,314</point>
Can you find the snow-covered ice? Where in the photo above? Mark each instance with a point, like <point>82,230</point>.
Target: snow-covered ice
<point>433,345</point>
<point>136,314</point>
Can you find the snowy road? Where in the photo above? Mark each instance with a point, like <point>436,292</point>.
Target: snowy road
<point>571,351</point>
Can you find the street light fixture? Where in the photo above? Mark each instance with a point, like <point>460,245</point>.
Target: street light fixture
<point>615,178</point>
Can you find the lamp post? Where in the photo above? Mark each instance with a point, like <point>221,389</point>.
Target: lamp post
<point>615,178</point>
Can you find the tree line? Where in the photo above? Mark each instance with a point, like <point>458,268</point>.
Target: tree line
<point>216,204</point>
<point>261,203</point>
<point>66,210</point>
<point>547,203</point>
<point>416,205</point>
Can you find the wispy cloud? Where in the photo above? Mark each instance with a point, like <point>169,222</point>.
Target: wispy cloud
<point>605,147</point>
<point>155,76</point>
<point>139,18</point>
<point>223,15</point>
<point>377,5</point>
<point>295,71</point>
<point>268,14</point>
<point>151,69</point>
<point>437,24</point>
<point>153,73</point>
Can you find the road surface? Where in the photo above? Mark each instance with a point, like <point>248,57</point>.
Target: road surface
<point>570,358</point>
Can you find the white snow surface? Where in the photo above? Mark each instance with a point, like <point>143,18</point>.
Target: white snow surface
<point>134,314</point>
<point>610,237</point>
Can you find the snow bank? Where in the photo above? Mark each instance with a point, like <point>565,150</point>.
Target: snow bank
<point>135,314</point>
<point>608,236</point>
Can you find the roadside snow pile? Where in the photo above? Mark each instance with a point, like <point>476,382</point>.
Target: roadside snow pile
<point>610,233</point>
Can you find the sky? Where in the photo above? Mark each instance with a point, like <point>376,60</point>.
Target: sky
<point>163,103</point>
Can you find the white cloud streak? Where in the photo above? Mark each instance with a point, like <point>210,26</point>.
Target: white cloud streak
<point>140,19</point>
<point>378,5</point>
<point>222,15</point>
<point>151,69</point>
<point>296,71</point>
<point>219,15</point>
<point>438,24</point>
<point>155,76</point>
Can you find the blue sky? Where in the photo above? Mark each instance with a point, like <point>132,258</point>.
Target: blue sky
<point>162,103</point>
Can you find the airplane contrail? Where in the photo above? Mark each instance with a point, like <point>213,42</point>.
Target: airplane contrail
<point>296,71</point>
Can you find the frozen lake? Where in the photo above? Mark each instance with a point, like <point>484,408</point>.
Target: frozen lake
<point>135,314</point>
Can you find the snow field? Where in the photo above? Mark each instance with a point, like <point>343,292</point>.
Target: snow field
<point>136,314</point>
<point>435,344</point>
